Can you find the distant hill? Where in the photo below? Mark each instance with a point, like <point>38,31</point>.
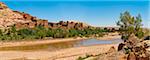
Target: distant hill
<point>21,20</point>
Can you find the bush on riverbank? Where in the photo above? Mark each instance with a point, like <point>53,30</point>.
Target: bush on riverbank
<point>40,32</point>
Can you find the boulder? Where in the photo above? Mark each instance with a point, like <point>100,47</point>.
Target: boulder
<point>131,56</point>
<point>133,40</point>
<point>121,45</point>
<point>147,38</point>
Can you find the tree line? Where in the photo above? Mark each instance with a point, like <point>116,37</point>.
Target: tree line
<point>40,32</point>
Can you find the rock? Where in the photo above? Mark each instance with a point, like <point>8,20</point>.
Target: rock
<point>110,55</point>
<point>2,6</point>
<point>143,58</point>
<point>112,49</point>
<point>121,45</point>
<point>131,56</point>
<point>147,42</point>
<point>138,48</point>
<point>121,55</point>
<point>148,49</point>
<point>147,38</point>
<point>91,58</point>
<point>133,40</point>
<point>8,17</point>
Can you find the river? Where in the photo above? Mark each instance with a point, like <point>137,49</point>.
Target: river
<point>62,45</point>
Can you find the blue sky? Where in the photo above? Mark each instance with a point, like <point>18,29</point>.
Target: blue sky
<point>93,12</point>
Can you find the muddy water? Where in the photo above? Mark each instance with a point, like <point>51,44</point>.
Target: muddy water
<point>62,45</point>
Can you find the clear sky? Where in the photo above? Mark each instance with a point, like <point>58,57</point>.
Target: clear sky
<point>93,12</point>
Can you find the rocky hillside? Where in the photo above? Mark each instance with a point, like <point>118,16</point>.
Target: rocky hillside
<point>20,20</point>
<point>8,17</point>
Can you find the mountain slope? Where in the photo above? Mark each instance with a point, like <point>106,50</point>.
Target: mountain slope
<point>8,17</point>
<point>20,20</point>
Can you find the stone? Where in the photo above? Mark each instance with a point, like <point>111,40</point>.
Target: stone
<point>147,38</point>
<point>112,49</point>
<point>143,58</point>
<point>2,6</point>
<point>133,40</point>
<point>120,47</point>
<point>131,56</point>
<point>138,48</point>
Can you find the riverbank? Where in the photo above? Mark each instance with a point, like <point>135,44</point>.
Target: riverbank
<point>106,37</point>
<point>64,54</point>
<point>38,42</point>
<point>109,36</point>
<point>51,41</point>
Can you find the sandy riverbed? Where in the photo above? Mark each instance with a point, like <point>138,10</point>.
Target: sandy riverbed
<point>64,54</point>
<point>28,43</point>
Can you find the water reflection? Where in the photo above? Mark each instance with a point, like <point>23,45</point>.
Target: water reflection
<point>62,45</point>
<point>95,42</point>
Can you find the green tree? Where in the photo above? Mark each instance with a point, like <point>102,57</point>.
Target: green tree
<point>1,33</point>
<point>25,33</point>
<point>41,32</point>
<point>73,32</point>
<point>130,24</point>
<point>50,33</point>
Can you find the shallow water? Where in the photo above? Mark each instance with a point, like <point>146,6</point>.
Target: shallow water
<point>95,42</point>
<point>63,45</point>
